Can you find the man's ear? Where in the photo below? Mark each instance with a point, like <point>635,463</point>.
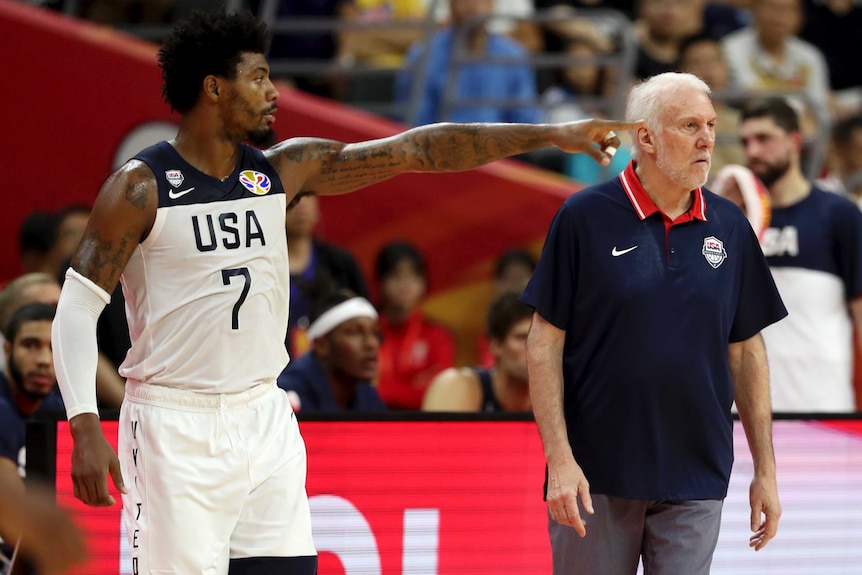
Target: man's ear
<point>212,88</point>
<point>321,347</point>
<point>645,140</point>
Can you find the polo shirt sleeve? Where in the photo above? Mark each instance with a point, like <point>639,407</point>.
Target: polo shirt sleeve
<point>848,247</point>
<point>553,286</point>
<point>758,303</point>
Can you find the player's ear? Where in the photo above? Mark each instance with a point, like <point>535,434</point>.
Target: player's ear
<point>211,87</point>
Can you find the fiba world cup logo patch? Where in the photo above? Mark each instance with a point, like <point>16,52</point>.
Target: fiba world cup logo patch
<point>713,251</point>
<point>255,182</point>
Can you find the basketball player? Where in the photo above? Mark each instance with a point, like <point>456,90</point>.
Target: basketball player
<point>194,230</point>
<point>503,386</point>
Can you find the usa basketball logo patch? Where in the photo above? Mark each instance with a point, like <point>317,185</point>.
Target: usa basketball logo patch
<point>713,251</point>
<point>174,177</point>
<point>255,182</point>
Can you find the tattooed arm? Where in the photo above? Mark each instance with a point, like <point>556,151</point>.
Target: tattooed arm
<point>326,167</point>
<point>122,216</point>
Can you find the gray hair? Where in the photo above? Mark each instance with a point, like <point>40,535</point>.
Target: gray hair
<point>646,99</point>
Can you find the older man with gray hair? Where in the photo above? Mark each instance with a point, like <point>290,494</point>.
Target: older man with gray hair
<point>648,300</point>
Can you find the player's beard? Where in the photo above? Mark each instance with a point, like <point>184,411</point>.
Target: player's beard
<point>771,173</point>
<point>18,379</point>
<point>263,138</point>
<point>679,174</point>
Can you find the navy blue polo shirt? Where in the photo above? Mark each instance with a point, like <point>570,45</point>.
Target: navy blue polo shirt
<point>306,377</point>
<point>649,307</point>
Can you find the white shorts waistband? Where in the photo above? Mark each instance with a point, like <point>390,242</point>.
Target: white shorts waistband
<point>183,398</point>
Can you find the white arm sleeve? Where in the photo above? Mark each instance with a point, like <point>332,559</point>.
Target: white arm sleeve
<point>73,337</point>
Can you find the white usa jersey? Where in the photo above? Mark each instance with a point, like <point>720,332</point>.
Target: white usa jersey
<point>207,290</point>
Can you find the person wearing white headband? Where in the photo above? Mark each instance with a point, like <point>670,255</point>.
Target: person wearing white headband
<point>336,373</point>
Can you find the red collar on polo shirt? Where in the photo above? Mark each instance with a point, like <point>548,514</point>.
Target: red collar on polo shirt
<point>645,207</point>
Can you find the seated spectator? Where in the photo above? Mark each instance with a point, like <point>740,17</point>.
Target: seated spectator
<point>27,385</point>
<point>43,288</point>
<point>512,19</point>
<point>701,55</point>
<point>414,348</point>
<point>71,222</point>
<point>661,27</point>
<point>844,161</point>
<point>36,237</point>
<point>504,386</point>
<point>314,266</point>
<point>579,91</point>
<point>336,374</point>
<point>768,56</point>
<point>479,82</point>
<point>833,26</point>
<point>511,274</point>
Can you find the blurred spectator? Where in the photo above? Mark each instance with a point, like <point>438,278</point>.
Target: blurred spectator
<point>511,18</point>
<point>627,7</point>
<point>511,274</point>
<point>336,374</point>
<point>834,26</point>
<point>473,81</point>
<point>36,237</point>
<point>71,222</point>
<point>701,55</point>
<point>768,56</point>
<point>384,47</point>
<point>814,249</point>
<point>44,288</point>
<point>739,185</point>
<point>845,160</point>
<point>504,386</point>
<point>314,266</point>
<point>27,383</point>
<point>414,348</point>
<point>304,46</point>
<point>661,27</point>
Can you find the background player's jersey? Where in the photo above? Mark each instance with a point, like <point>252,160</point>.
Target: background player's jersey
<point>814,249</point>
<point>207,291</point>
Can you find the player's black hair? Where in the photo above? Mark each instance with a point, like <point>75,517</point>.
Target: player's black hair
<point>207,43</point>
<point>323,302</point>
<point>776,108</point>
<point>26,314</point>
<point>505,311</point>
<point>514,256</point>
<point>38,232</point>
<point>394,253</point>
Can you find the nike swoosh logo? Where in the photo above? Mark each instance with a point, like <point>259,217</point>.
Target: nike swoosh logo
<point>615,252</point>
<point>174,195</point>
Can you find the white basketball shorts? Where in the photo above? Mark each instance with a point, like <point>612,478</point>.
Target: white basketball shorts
<point>211,478</point>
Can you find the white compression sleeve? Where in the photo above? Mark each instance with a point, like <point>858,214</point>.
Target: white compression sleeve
<point>73,338</point>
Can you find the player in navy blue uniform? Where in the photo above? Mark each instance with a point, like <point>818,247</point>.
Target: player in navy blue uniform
<point>336,373</point>
<point>649,299</point>
<point>194,230</point>
<point>503,386</point>
<point>814,248</point>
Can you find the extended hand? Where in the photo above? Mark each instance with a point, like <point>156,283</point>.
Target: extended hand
<point>92,460</point>
<point>566,483</point>
<point>592,137</point>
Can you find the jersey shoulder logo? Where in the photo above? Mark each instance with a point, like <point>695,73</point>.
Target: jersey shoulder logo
<point>713,251</point>
<point>255,182</point>
<point>175,178</point>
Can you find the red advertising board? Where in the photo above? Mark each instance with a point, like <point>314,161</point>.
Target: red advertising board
<point>393,498</point>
